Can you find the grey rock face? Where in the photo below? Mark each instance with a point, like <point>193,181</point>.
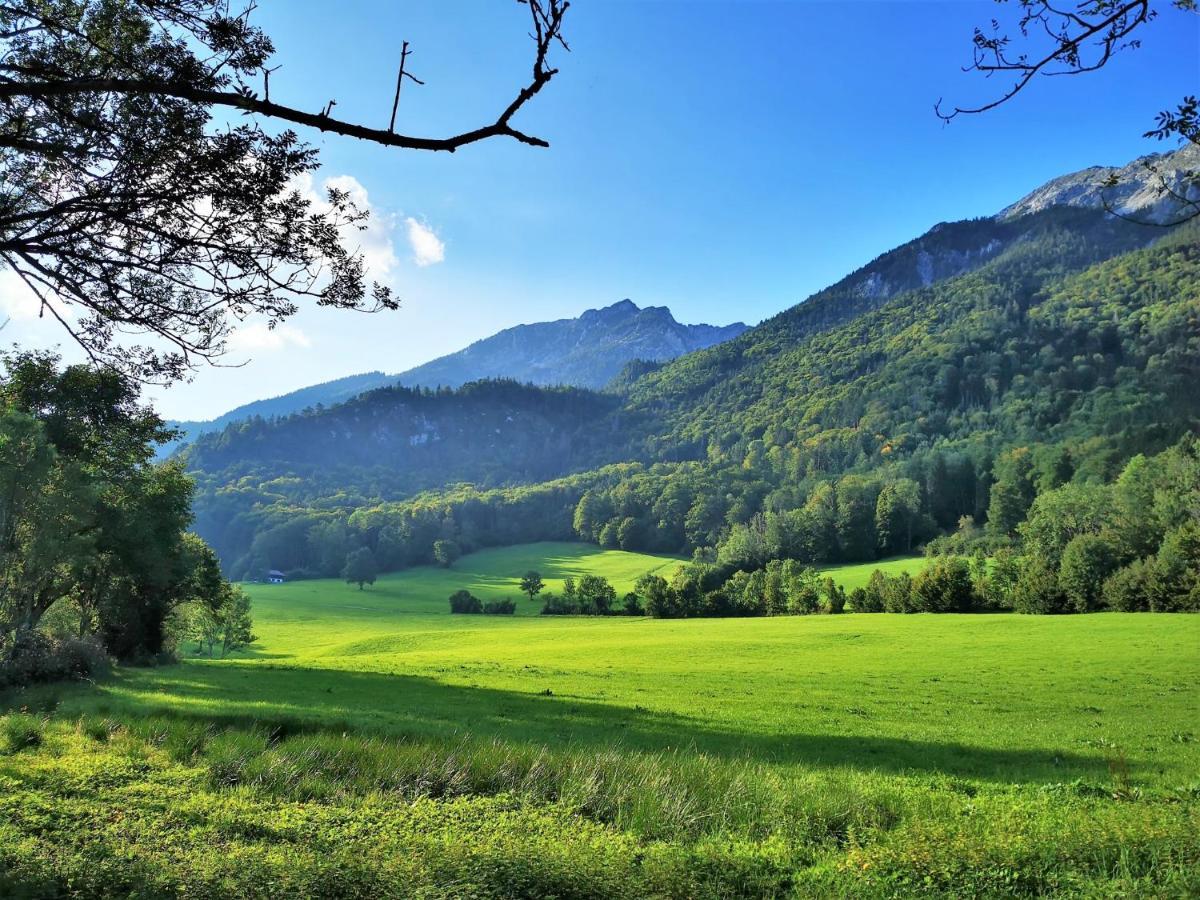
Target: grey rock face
<point>1153,188</point>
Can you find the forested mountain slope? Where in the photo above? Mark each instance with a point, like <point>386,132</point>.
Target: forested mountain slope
<point>327,393</point>
<point>923,398</point>
<point>397,441</point>
<point>586,351</point>
<point>700,389</point>
<point>1042,344</point>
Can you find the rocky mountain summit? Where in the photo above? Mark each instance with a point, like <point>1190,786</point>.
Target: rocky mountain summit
<point>1154,188</point>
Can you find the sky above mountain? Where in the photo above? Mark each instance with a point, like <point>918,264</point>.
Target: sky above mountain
<point>724,159</point>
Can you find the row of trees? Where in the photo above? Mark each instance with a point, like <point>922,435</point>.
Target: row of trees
<point>94,534</point>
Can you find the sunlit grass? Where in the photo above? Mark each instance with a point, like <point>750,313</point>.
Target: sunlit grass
<point>375,741</point>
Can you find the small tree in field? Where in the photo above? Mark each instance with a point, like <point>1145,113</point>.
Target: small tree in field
<point>531,583</point>
<point>360,567</point>
<point>235,621</point>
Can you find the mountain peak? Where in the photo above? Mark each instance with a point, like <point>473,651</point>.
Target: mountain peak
<point>1141,190</point>
<point>585,352</point>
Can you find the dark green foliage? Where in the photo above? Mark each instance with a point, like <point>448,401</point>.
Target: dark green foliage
<point>898,594</point>
<point>870,599</point>
<point>1014,391</point>
<point>658,597</point>
<point>1129,588</point>
<point>1087,562</point>
<point>632,605</point>
<point>87,520</point>
<point>531,584</point>
<point>554,605</point>
<point>833,597</point>
<point>465,602</point>
<point>1177,571</point>
<point>945,585</point>
<point>360,568</point>
<point>505,607</point>
<point>1012,491</point>
<point>28,657</point>
<point>1037,589</point>
<point>445,553</point>
<point>595,596</point>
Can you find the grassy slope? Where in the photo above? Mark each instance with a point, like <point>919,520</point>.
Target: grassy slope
<point>860,753</point>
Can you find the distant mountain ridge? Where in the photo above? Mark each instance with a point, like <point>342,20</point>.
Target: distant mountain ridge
<point>587,352</point>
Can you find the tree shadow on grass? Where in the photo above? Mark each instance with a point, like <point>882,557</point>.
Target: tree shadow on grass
<point>411,706</point>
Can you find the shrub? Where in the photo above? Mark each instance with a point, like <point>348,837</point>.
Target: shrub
<point>897,594</point>
<point>1128,589</point>
<point>505,607</point>
<point>554,605</point>
<point>870,598</point>
<point>633,605</point>
<point>1087,561</point>
<point>29,656</point>
<point>996,585</point>
<point>944,586</point>
<point>1037,590</point>
<point>661,599</point>
<point>465,602</point>
<point>858,600</point>
<point>1176,571</point>
<point>833,597</point>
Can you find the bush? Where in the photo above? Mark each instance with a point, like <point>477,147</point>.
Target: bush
<point>1176,571</point>
<point>1037,590</point>
<point>29,656</point>
<point>465,602</point>
<point>554,605</point>
<point>897,594</point>
<point>505,607</point>
<point>944,586</point>
<point>858,601</point>
<point>1128,589</point>
<point>871,598</point>
<point>833,597</point>
<point>633,605</point>
<point>1087,561</point>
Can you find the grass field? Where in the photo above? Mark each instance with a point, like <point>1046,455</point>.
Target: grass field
<point>371,744</point>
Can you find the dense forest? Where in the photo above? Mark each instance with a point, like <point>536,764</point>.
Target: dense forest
<point>808,438</point>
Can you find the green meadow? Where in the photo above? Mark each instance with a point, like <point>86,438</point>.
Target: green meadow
<point>371,744</point>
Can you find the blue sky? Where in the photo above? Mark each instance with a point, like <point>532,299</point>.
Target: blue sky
<point>725,159</point>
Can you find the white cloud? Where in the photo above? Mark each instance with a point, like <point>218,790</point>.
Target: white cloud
<point>374,242</point>
<point>17,301</point>
<point>427,247</point>
<point>258,336</point>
